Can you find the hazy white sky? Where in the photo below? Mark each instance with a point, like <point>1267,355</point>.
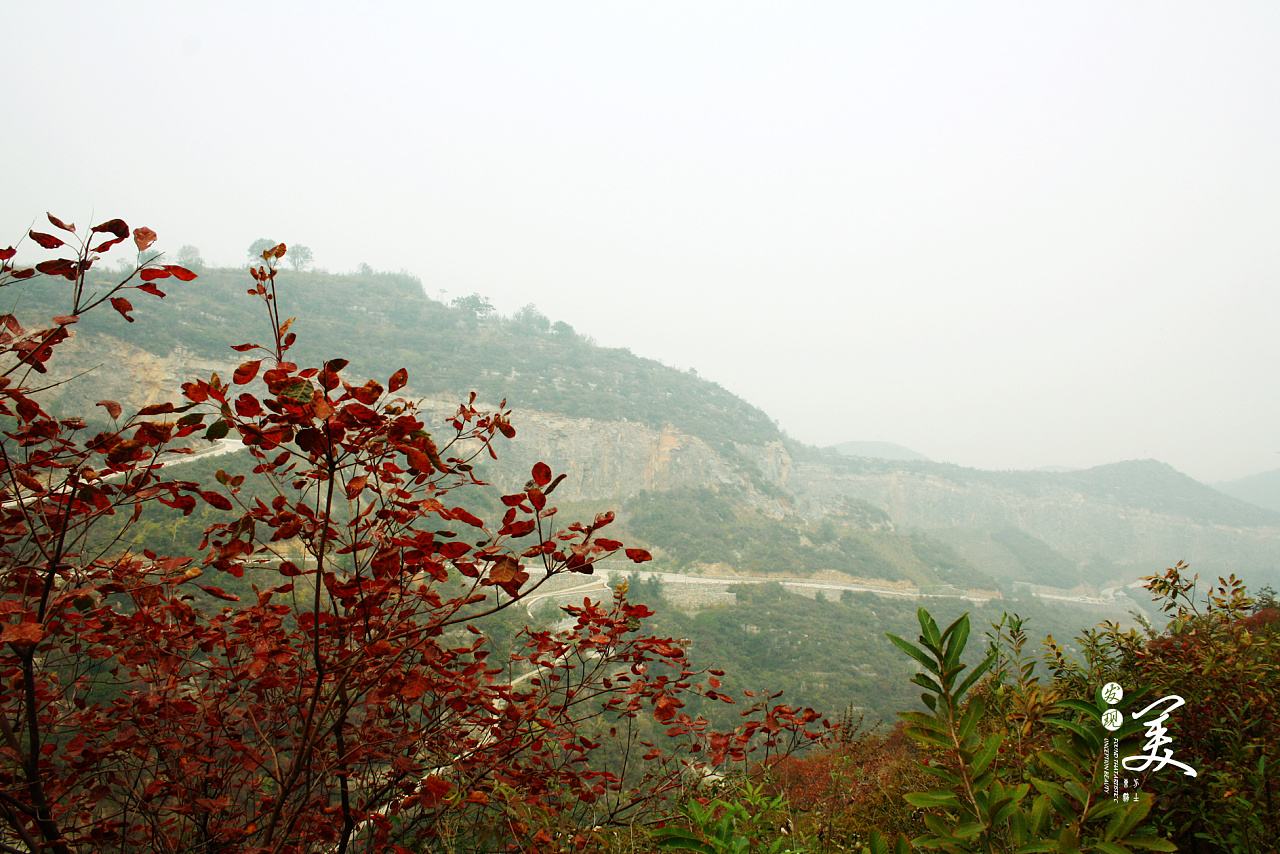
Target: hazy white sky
<point>1004,234</point>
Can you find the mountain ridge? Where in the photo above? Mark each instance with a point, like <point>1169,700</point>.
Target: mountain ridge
<point>624,427</point>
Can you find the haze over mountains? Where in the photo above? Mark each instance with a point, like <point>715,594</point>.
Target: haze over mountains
<point>703,478</point>
<point>1262,489</point>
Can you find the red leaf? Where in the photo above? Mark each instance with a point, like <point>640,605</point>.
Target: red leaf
<point>419,460</point>
<point>149,288</point>
<point>152,273</point>
<point>521,528</point>
<point>355,486</point>
<point>507,574</point>
<point>216,499</point>
<point>58,267</point>
<point>608,545</point>
<point>398,380</point>
<point>665,709</point>
<point>218,592</point>
<point>246,372</point>
<point>413,689</point>
<point>48,241</point>
<point>107,244</point>
<point>60,224</point>
<point>243,348</point>
<point>113,408</point>
<point>6,254</point>
<point>433,791</point>
<point>118,227</point>
<point>541,474</point>
<point>463,516</point>
<point>452,551</point>
<point>180,273</point>
<point>28,409</point>
<point>639,555</point>
<point>143,237</point>
<point>247,406</point>
<point>123,306</point>
<point>66,319</point>
<point>22,633</point>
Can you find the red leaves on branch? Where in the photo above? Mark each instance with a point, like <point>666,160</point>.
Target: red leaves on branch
<point>338,690</point>
<point>151,274</point>
<point>507,574</point>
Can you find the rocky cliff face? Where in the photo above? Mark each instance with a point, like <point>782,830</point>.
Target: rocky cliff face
<point>614,460</point>
<point>604,460</point>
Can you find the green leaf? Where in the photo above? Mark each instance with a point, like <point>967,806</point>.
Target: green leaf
<point>935,798</point>
<point>920,719</point>
<point>1077,791</point>
<point>929,630</point>
<point>948,777</point>
<point>1150,843</point>
<point>956,636</point>
<point>969,830</point>
<point>1110,848</point>
<point>1039,812</point>
<point>217,430</point>
<point>927,682</point>
<point>1056,797</point>
<point>1062,767</point>
<point>974,676</point>
<point>1090,737</point>
<point>969,721</point>
<point>1081,706</point>
<point>679,839</point>
<point>1123,824</point>
<point>913,651</point>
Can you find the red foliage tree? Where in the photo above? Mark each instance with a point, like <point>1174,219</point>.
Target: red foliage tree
<point>349,702</point>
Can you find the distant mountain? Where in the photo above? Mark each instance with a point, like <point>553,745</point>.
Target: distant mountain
<point>1261,489</point>
<point>1112,522</point>
<point>878,451</point>
<point>698,475</point>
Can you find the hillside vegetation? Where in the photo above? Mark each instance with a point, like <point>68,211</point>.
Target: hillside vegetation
<point>449,350</point>
<point>700,476</point>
